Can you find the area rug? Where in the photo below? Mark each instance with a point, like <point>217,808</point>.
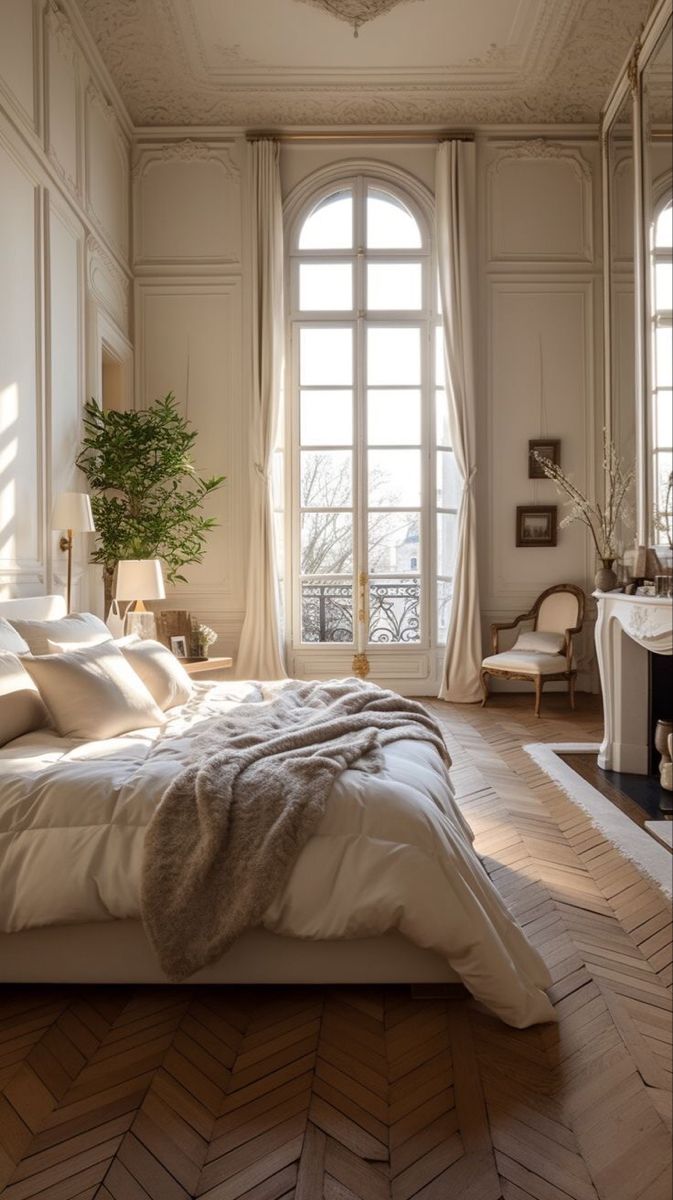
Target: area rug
<point>636,844</point>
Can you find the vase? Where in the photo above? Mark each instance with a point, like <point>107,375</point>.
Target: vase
<point>605,578</point>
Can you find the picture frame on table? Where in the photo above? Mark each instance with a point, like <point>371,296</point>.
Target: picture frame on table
<point>179,646</point>
<point>536,525</point>
<point>549,448</point>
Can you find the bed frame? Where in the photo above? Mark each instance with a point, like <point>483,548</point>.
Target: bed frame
<point>117,951</point>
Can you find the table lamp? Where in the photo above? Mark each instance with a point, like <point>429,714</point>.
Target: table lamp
<point>72,512</point>
<point>139,579</point>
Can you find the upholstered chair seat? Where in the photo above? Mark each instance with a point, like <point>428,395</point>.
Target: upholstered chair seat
<point>545,652</point>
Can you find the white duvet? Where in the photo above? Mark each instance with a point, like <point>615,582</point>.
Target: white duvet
<point>392,851</point>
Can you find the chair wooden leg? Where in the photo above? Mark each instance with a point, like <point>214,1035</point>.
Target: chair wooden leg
<point>484,686</point>
<point>571,692</point>
<point>538,695</point>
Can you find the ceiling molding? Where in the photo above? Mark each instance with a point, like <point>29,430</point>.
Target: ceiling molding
<point>557,66</point>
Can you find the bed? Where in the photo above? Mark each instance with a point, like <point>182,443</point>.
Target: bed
<point>363,905</point>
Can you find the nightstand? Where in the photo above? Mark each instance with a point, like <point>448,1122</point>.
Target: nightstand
<point>206,664</point>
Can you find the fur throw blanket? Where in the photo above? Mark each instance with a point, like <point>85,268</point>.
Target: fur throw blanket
<point>228,830</point>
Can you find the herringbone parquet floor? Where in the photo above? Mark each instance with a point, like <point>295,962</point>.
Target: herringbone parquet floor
<point>368,1094</point>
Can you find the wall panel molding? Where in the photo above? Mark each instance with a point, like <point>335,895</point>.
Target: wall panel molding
<point>530,205</point>
<point>568,337</point>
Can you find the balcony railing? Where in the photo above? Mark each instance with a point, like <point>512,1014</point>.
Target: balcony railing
<point>394,616</point>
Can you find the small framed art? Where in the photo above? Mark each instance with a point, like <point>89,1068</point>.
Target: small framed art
<point>549,448</point>
<point>179,646</point>
<point>536,525</point>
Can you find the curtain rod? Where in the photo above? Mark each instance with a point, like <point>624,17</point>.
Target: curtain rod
<point>345,135</point>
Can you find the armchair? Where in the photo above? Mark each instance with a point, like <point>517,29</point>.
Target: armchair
<point>544,653</point>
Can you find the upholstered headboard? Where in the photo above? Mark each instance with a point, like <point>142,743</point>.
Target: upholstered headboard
<point>33,608</point>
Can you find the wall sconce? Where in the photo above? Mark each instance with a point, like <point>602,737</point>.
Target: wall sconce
<point>72,512</point>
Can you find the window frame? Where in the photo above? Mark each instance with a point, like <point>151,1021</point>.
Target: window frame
<point>660,318</point>
<point>419,202</point>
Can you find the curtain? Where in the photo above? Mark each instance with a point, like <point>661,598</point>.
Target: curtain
<point>260,654</point>
<point>455,202</point>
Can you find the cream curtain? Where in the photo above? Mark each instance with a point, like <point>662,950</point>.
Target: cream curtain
<point>455,201</point>
<point>260,654</point>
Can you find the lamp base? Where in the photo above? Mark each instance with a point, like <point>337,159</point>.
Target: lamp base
<point>143,624</point>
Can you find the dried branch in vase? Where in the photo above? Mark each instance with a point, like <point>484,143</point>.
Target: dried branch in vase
<point>602,520</point>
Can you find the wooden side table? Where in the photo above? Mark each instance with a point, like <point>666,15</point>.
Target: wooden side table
<point>206,664</point>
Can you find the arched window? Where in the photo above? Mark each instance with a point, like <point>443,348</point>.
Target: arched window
<point>661,426</point>
<point>375,488</point>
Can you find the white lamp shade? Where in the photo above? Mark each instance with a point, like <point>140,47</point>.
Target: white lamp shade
<point>72,510</point>
<point>140,579</point>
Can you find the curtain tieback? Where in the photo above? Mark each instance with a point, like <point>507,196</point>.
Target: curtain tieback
<point>264,475</point>
<point>471,477</point>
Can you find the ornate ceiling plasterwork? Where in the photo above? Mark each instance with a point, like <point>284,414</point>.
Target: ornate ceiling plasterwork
<point>560,70</point>
<point>355,12</point>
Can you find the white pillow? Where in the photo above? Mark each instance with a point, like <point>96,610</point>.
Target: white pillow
<point>160,671</point>
<point>11,640</point>
<point>540,642</point>
<point>82,628</point>
<point>93,693</point>
<point>68,647</point>
<point>21,709</point>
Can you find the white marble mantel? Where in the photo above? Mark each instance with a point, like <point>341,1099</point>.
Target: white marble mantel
<point>626,629</point>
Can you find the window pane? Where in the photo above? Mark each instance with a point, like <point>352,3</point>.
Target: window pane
<point>326,543</point>
<point>442,415</point>
<point>663,465</point>
<point>326,357</point>
<point>663,275</point>
<point>394,418</point>
<point>326,478</point>
<point>664,347</point>
<point>664,419</point>
<point>327,611</point>
<point>663,230</point>
<point>394,478</point>
<point>394,543</point>
<point>448,480</point>
<point>394,285</point>
<point>446,543</point>
<point>394,611</point>
<point>325,286</point>
<point>440,367</point>
<point>330,225</point>
<point>326,418</point>
<point>394,356</point>
<point>444,594</point>
<point>390,225</point>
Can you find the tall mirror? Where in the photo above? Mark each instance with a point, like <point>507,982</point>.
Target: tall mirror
<point>656,98</point>
<point>620,360</point>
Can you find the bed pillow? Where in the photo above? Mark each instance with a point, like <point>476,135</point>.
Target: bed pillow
<point>540,642</point>
<point>82,628</point>
<point>93,693</point>
<point>21,709</point>
<point>11,640</point>
<point>160,671</point>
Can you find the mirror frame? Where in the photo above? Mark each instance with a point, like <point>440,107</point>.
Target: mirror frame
<point>630,80</point>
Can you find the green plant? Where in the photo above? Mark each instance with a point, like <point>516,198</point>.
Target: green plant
<point>146,495</point>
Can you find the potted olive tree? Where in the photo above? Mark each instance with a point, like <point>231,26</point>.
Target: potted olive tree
<point>146,495</point>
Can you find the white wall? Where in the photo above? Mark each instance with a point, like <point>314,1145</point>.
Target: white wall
<point>64,247</point>
<point>538,338</point>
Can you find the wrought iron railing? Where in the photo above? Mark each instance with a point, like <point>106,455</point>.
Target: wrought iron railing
<point>394,612</point>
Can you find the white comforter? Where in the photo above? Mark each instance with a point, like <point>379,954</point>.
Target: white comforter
<point>392,852</point>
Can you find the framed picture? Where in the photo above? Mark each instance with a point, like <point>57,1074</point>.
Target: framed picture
<point>179,646</point>
<point>549,448</point>
<point>172,623</point>
<point>536,525</point>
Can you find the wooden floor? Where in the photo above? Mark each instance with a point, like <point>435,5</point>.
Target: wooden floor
<point>366,1093</point>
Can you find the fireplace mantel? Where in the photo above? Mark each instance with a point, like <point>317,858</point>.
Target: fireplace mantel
<point>628,627</point>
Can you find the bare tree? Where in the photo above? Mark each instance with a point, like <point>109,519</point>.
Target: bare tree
<point>327,537</point>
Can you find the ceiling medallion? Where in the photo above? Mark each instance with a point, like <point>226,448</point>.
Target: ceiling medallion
<point>355,12</point>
